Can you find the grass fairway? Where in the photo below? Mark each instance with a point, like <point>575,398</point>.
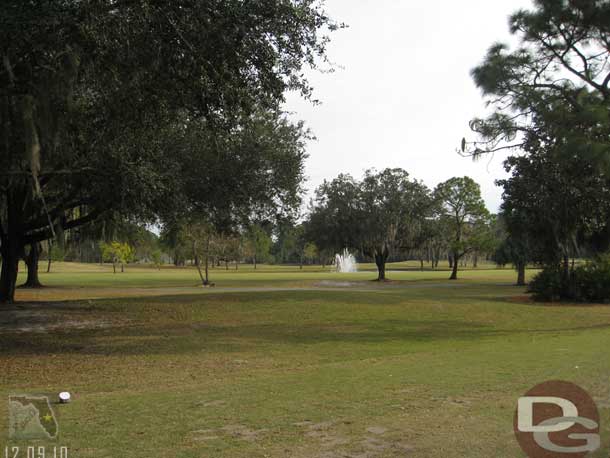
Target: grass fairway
<point>305,364</point>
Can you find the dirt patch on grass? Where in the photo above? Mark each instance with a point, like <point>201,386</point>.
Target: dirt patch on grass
<point>337,284</point>
<point>218,403</point>
<point>240,432</point>
<point>41,320</point>
<point>331,442</point>
<point>377,430</point>
<point>523,299</point>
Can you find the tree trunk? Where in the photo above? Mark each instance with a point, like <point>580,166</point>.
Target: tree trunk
<point>11,245</point>
<point>31,261</point>
<point>254,262</point>
<point>380,260</point>
<point>521,274</point>
<point>226,265</point>
<point>454,272</point>
<point>421,264</point>
<point>49,255</point>
<point>451,261</point>
<point>122,268</point>
<point>199,270</point>
<point>565,277</point>
<point>10,269</point>
<point>207,269</point>
<point>113,267</point>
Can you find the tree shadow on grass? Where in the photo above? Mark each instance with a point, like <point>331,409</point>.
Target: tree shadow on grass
<point>522,297</point>
<point>120,331</point>
<point>201,337</point>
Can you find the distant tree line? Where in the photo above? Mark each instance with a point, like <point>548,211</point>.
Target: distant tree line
<point>387,215</point>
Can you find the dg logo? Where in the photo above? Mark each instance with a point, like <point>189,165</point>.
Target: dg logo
<point>557,419</point>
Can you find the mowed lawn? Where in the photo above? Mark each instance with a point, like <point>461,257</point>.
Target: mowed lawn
<point>306,364</point>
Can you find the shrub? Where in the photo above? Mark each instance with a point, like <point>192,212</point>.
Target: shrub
<point>547,285</point>
<point>587,283</point>
<point>591,282</point>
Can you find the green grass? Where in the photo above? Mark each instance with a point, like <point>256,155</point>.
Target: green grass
<point>418,367</point>
<point>94,275</point>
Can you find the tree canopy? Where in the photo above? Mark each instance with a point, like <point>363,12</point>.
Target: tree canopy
<point>554,85</point>
<point>376,216</point>
<point>147,109</point>
<point>550,99</point>
<point>465,216</point>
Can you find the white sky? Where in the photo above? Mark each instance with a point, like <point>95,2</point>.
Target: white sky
<point>404,95</point>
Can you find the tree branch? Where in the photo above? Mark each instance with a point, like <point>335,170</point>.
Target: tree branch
<point>43,220</point>
<point>478,151</point>
<point>567,66</point>
<point>46,234</point>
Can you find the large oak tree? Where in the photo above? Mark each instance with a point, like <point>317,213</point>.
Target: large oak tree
<point>101,101</point>
<point>378,216</point>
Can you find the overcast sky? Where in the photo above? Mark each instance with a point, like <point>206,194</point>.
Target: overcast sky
<point>404,95</point>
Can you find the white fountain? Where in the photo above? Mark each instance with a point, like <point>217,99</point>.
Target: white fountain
<point>346,262</point>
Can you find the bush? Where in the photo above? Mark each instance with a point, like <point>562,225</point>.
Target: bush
<point>587,283</point>
<point>547,285</point>
<point>591,282</point>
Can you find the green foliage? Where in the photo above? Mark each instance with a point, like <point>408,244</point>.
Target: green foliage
<point>547,285</point>
<point>556,205</point>
<point>528,88</point>
<point>586,283</point>
<point>117,252</point>
<point>157,258</point>
<point>377,216</point>
<point>150,110</point>
<point>310,252</point>
<point>517,246</point>
<point>198,235</point>
<point>393,208</point>
<point>229,175</point>
<point>56,253</point>
<point>333,222</point>
<point>460,199</point>
<point>550,97</point>
<point>286,247</point>
<point>258,244</point>
<point>173,242</point>
<point>465,217</point>
<point>591,282</point>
